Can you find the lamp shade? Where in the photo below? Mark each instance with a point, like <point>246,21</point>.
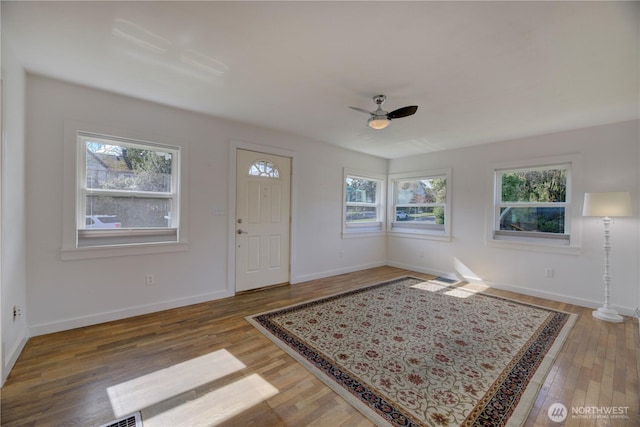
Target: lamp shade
<point>607,204</point>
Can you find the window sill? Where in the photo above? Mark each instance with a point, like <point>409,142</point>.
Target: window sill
<point>368,233</point>
<point>90,252</point>
<point>534,246</point>
<point>421,235</point>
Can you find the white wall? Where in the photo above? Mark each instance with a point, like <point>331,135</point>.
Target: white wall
<point>322,209</point>
<point>13,232</point>
<point>66,294</point>
<point>609,163</point>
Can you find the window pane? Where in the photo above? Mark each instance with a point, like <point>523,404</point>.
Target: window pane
<point>264,168</point>
<point>544,185</point>
<point>421,214</point>
<point>545,220</point>
<point>361,190</point>
<point>361,214</point>
<point>420,191</point>
<point>127,212</point>
<point>121,167</point>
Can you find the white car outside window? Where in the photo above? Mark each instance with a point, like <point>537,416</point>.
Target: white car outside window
<point>102,221</point>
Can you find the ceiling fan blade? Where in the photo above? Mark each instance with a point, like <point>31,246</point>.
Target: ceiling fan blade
<point>362,110</point>
<point>402,112</point>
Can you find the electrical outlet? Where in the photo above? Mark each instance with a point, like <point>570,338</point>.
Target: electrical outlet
<point>17,312</point>
<point>150,279</point>
<point>548,272</point>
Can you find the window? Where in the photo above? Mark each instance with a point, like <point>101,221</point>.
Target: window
<point>363,198</point>
<point>127,191</point>
<point>419,203</point>
<point>264,168</point>
<point>533,203</point>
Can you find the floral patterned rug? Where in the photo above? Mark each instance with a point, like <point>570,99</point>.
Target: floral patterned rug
<point>414,353</point>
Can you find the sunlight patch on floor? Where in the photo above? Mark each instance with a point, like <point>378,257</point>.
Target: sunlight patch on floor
<point>465,291</point>
<point>430,286</point>
<point>461,291</point>
<point>150,389</point>
<point>216,406</point>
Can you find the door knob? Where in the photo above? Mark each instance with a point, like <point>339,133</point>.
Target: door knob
<point>241,231</point>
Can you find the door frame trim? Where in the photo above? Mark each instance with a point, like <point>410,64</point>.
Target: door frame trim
<point>234,146</point>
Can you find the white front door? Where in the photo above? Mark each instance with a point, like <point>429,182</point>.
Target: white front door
<point>263,203</point>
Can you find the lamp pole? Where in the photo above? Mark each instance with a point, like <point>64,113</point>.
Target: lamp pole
<point>605,312</point>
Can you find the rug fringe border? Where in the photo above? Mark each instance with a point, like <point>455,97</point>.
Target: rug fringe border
<point>528,398</point>
<point>340,391</point>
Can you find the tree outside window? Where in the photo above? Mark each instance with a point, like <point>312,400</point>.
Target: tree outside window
<point>421,200</point>
<point>126,186</point>
<point>363,208</point>
<point>419,203</point>
<point>532,200</point>
<point>361,200</point>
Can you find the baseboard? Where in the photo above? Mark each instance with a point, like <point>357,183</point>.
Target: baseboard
<point>11,357</point>
<point>445,274</point>
<point>626,311</point>
<point>79,322</point>
<point>328,273</point>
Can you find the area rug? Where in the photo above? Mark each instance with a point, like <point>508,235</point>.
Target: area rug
<point>414,353</point>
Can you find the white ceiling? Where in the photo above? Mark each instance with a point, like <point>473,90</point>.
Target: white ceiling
<point>480,71</point>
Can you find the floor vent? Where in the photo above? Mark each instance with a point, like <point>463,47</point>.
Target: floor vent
<point>133,420</point>
<point>444,280</point>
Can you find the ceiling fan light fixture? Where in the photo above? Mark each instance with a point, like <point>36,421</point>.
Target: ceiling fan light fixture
<point>378,123</point>
<point>380,119</point>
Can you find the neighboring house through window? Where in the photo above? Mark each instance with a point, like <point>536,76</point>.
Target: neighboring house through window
<point>419,203</point>
<point>127,191</point>
<point>363,202</point>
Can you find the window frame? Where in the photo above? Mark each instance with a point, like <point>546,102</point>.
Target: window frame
<point>368,228</point>
<point>132,241</point>
<point>567,242</point>
<point>135,235</point>
<point>425,231</point>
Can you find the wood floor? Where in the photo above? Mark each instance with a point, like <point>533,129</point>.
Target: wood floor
<point>63,379</point>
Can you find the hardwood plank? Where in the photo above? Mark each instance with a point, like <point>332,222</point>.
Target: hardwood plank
<point>63,378</point>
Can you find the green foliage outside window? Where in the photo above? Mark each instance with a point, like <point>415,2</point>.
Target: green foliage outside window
<point>415,197</point>
<point>531,187</point>
<point>535,186</point>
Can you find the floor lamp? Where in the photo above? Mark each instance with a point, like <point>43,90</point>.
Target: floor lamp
<point>607,205</point>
